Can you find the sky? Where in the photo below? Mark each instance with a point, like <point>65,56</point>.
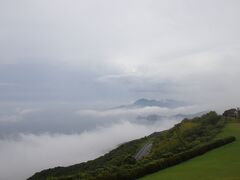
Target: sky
<point>63,63</point>
<point>104,51</point>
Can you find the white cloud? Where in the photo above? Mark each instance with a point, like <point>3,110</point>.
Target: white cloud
<point>16,114</point>
<point>133,112</point>
<point>26,111</point>
<point>22,157</point>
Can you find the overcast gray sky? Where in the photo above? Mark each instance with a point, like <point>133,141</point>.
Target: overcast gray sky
<point>62,60</point>
<point>75,50</point>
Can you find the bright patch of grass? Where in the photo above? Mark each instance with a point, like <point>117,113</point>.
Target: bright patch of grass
<point>222,163</point>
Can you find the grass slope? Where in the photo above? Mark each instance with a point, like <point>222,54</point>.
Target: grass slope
<point>220,164</point>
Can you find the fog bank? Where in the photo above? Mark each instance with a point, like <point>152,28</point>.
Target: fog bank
<point>29,153</point>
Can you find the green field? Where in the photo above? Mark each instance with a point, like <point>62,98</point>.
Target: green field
<point>221,163</point>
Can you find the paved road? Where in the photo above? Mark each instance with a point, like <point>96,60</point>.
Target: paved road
<point>143,151</point>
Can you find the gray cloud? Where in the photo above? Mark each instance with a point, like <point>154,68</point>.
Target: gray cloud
<point>17,115</point>
<point>69,118</point>
<point>132,113</point>
<point>113,51</point>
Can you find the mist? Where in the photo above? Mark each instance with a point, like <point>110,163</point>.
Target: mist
<point>21,157</point>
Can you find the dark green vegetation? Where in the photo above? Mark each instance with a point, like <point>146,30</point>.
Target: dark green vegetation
<point>184,141</point>
<point>219,164</point>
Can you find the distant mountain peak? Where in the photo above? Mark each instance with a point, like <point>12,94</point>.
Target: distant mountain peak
<point>143,102</point>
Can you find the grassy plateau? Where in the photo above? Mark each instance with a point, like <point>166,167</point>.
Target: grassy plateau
<point>218,164</point>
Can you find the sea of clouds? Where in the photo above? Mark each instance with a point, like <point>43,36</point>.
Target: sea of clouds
<point>34,138</point>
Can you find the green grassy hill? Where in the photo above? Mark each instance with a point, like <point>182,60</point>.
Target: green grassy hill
<point>220,164</point>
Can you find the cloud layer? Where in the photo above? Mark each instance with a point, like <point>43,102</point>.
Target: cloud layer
<point>29,153</point>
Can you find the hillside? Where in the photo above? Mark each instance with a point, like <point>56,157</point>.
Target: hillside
<point>188,139</point>
<point>221,163</point>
